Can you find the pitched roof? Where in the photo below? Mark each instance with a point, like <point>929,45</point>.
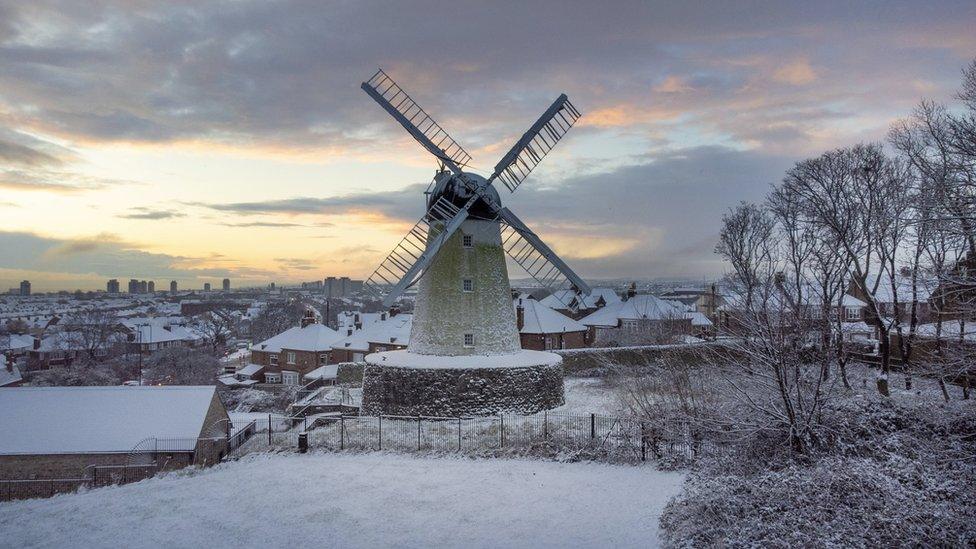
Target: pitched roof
<point>540,319</point>
<point>560,299</point>
<point>639,307</point>
<point>70,420</point>
<point>392,331</point>
<point>313,337</point>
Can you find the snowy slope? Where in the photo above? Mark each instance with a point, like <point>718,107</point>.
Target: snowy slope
<point>377,500</point>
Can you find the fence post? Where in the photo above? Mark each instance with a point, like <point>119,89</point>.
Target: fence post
<point>643,443</point>
<point>418,433</point>
<point>592,425</point>
<point>545,425</point>
<point>381,432</point>
<point>459,433</point>
<point>502,417</point>
<point>342,432</point>
<point>269,429</point>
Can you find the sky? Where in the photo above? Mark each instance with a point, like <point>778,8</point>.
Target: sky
<point>195,140</point>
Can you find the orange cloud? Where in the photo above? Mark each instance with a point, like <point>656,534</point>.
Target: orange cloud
<point>796,73</point>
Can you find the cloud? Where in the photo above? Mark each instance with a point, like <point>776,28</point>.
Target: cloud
<point>389,204</point>
<point>151,214</point>
<point>795,73</point>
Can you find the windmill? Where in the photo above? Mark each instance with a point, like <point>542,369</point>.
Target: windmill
<point>456,196</point>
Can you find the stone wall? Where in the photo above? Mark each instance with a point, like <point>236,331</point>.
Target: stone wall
<point>452,392</point>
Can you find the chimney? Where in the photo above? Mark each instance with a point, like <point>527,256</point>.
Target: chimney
<point>37,343</point>
<point>383,316</point>
<point>519,316</point>
<point>632,290</point>
<point>394,311</point>
<point>308,318</point>
<point>349,332</point>
<point>10,363</point>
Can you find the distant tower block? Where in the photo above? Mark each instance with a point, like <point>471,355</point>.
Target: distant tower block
<point>172,286</point>
<point>464,356</point>
<point>206,286</point>
<point>226,284</point>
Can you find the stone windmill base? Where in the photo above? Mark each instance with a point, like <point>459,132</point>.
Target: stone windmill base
<point>410,384</point>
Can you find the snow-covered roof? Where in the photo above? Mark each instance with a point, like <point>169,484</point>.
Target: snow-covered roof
<point>392,331</point>
<point>70,420</point>
<point>8,376</point>
<point>249,370</point>
<point>329,371</point>
<point>159,330</point>
<point>16,342</point>
<point>540,319</point>
<point>560,299</point>
<point>639,307</point>
<point>698,319</point>
<point>950,330</point>
<point>313,337</point>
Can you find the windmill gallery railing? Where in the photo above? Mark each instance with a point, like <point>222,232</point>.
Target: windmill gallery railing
<point>571,436</point>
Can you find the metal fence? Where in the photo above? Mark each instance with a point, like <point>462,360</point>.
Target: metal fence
<point>588,436</point>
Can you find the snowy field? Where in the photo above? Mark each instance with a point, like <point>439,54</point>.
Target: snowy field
<point>376,500</point>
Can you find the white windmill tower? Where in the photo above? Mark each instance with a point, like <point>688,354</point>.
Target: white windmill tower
<point>464,354</point>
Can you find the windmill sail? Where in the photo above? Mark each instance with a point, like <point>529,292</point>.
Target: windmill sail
<point>413,254</point>
<point>536,143</point>
<point>416,121</point>
<point>532,254</point>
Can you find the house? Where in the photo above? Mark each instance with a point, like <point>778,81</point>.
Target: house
<point>543,329</point>
<point>885,295</point>
<point>563,301</point>
<point>295,352</point>
<point>62,348</point>
<point>391,332</point>
<point>147,335</point>
<point>58,432</point>
<point>701,300</point>
<point>640,320</point>
<point>9,373</point>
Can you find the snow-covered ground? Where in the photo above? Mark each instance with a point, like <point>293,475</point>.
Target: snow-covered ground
<point>375,500</point>
<point>590,396</point>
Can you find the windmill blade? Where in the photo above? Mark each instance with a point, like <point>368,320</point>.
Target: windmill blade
<point>408,260</point>
<point>416,121</point>
<point>532,254</point>
<point>536,143</point>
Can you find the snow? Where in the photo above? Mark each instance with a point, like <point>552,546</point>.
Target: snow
<point>329,371</point>
<point>390,331</point>
<point>314,337</point>
<point>636,308</point>
<point>354,501</point>
<point>540,319</point>
<point>9,373</point>
<point>560,299</point>
<point>60,420</point>
<point>407,359</point>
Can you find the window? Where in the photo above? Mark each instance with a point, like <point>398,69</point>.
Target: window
<point>291,357</point>
<point>272,378</point>
<point>469,340</point>
<point>357,357</point>
<point>324,358</point>
<point>273,359</point>
<point>468,285</point>
<point>548,345</point>
<point>853,313</point>
<point>467,241</point>
<point>289,378</point>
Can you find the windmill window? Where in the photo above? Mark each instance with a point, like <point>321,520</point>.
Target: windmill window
<point>469,340</point>
<point>467,241</point>
<point>468,285</point>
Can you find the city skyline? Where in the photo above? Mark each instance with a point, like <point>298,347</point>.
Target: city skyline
<point>238,145</point>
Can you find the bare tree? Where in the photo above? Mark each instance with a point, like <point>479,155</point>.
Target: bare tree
<point>95,331</point>
<point>181,366</point>
<point>745,242</point>
<point>217,325</point>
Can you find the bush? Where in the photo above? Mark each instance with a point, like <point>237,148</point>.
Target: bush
<point>888,473</point>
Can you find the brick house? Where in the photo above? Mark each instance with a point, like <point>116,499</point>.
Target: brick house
<point>640,320</point>
<point>390,332</point>
<point>58,432</point>
<point>288,356</point>
<point>544,329</point>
